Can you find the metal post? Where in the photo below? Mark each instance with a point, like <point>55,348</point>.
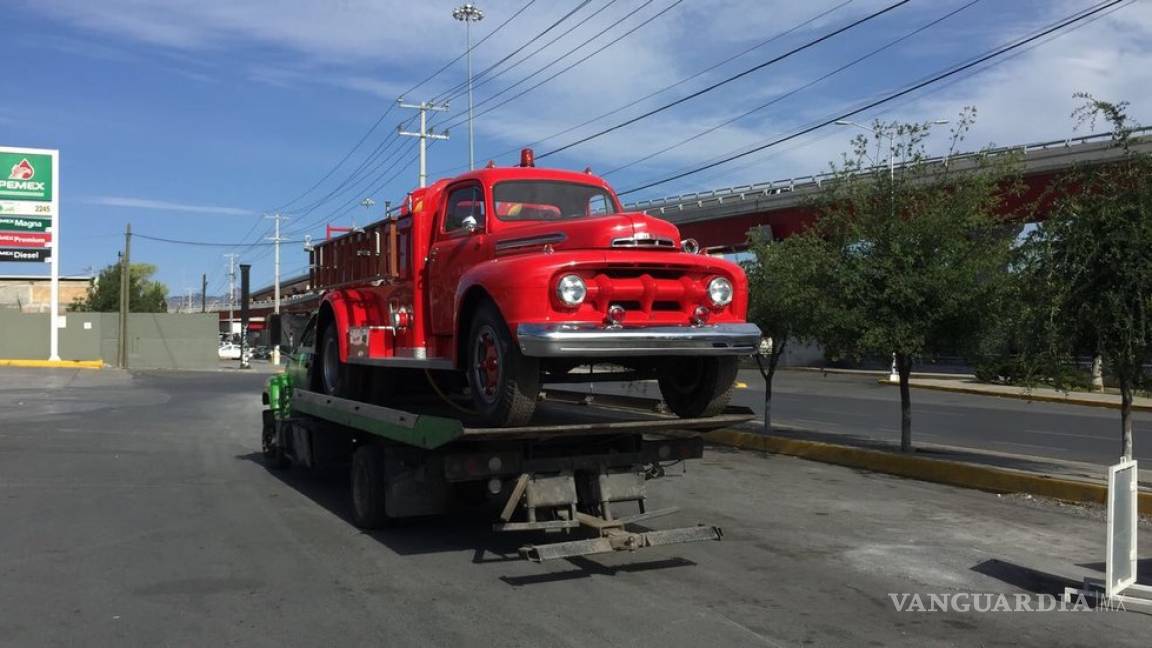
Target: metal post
<point>231,291</point>
<point>471,135</point>
<point>203,292</point>
<point>276,282</point>
<point>424,134</point>
<point>125,298</point>
<point>244,315</point>
<point>469,13</point>
<point>54,288</point>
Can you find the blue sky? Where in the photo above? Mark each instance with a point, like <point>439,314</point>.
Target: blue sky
<point>190,118</point>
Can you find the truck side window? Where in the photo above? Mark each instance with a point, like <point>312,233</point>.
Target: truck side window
<point>597,204</point>
<point>462,203</point>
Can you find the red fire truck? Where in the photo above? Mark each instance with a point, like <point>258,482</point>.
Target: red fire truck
<point>501,279</point>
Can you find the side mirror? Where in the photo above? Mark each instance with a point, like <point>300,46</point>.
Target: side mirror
<point>470,223</point>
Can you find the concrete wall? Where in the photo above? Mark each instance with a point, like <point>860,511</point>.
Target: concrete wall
<point>33,294</point>
<point>155,340</point>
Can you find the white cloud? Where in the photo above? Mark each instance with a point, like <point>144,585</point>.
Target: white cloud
<point>163,205</point>
<point>382,47</point>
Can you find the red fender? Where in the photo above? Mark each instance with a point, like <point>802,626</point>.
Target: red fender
<point>352,307</point>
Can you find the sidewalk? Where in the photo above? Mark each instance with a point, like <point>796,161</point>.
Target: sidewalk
<point>1039,394</point>
<point>964,467</point>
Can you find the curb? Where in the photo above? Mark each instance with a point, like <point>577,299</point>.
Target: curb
<point>940,471</point>
<point>1030,396</point>
<point>877,372</point>
<point>68,364</point>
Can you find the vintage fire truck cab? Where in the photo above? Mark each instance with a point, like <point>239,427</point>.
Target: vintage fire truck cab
<point>520,275</point>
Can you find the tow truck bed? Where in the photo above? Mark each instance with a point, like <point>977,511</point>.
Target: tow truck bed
<point>602,415</point>
<point>583,456</point>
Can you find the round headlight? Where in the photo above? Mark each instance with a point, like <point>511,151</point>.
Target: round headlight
<point>571,290</point>
<point>720,291</point>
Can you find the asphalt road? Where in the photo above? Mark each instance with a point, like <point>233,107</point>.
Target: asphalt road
<point>136,513</point>
<point>857,405</point>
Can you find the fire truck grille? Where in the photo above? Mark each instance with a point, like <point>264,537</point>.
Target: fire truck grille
<point>648,294</point>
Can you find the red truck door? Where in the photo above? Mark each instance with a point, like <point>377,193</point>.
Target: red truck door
<point>459,237</point>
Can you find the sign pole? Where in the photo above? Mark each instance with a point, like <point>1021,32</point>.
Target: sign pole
<point>54,292</point>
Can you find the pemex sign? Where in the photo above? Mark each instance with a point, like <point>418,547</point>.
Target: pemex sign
<point>30,218</point>
<point>28,204</point>
<point>26,176</point>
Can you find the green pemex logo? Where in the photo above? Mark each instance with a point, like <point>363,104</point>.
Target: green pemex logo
<point>28,177</point>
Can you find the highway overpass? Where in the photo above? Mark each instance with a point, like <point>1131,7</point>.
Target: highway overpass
<point>721,219</point>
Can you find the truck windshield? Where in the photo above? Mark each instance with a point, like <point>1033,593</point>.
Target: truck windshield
<point>549,200</point>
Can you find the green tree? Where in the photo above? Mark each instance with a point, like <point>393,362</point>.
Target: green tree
<point>144,294</point>
<point>913,260</point>
<point>782,289</point>
<point>1087,270</point>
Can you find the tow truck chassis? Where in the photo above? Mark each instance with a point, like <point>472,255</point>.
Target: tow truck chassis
<point>565,488</point>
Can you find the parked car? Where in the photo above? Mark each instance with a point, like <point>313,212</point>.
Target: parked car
<point>229,351</point>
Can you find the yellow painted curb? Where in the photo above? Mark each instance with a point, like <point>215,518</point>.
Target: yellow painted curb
<point>941,471</point>
<point>1032,396</point>
<point>71,364</point>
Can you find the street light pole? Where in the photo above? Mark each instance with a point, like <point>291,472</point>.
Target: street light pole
<point>469,13</point>
<point>276,283</point>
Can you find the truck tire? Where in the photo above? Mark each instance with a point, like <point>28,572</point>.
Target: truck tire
<point>273,449</point>
<point>334,377</point>
<point>504,383</point>
<point>369,487</point>
<point>697,387</point>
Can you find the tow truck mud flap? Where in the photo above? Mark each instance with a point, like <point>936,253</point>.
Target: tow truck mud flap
<point>619,540</point>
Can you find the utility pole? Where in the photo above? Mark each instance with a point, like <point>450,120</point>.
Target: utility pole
<point>203,292</point>
<point>469,13</point>
<point>125,302</point>
<point>245,298</point>
<point>231,291</point>
<point>424,134</point>
<point>276,282</point>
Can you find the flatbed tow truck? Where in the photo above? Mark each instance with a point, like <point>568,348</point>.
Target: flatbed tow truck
<point>569,477</point>
<point>478,290</point>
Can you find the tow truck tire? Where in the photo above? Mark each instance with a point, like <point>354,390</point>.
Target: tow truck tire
<point>504,383</point>
<point>698,387</point>
<point>369,487</point>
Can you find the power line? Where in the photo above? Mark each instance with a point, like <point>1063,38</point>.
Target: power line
<point>796,90</point>
<point>647,21</point>
<point>391,106</point>
<point>690,77</point>
<point>730,79</point>
<point>206,243</point>
<point>493,77</point>
<point>469,50</point>
<point>986,57</point>
<point>666,88</point>
<point>455,90</point>
<point>968,74</point>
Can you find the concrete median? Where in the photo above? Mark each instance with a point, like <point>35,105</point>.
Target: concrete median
<point>943,471</point>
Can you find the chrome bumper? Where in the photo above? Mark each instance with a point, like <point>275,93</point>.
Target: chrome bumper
<point>584,340</point>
